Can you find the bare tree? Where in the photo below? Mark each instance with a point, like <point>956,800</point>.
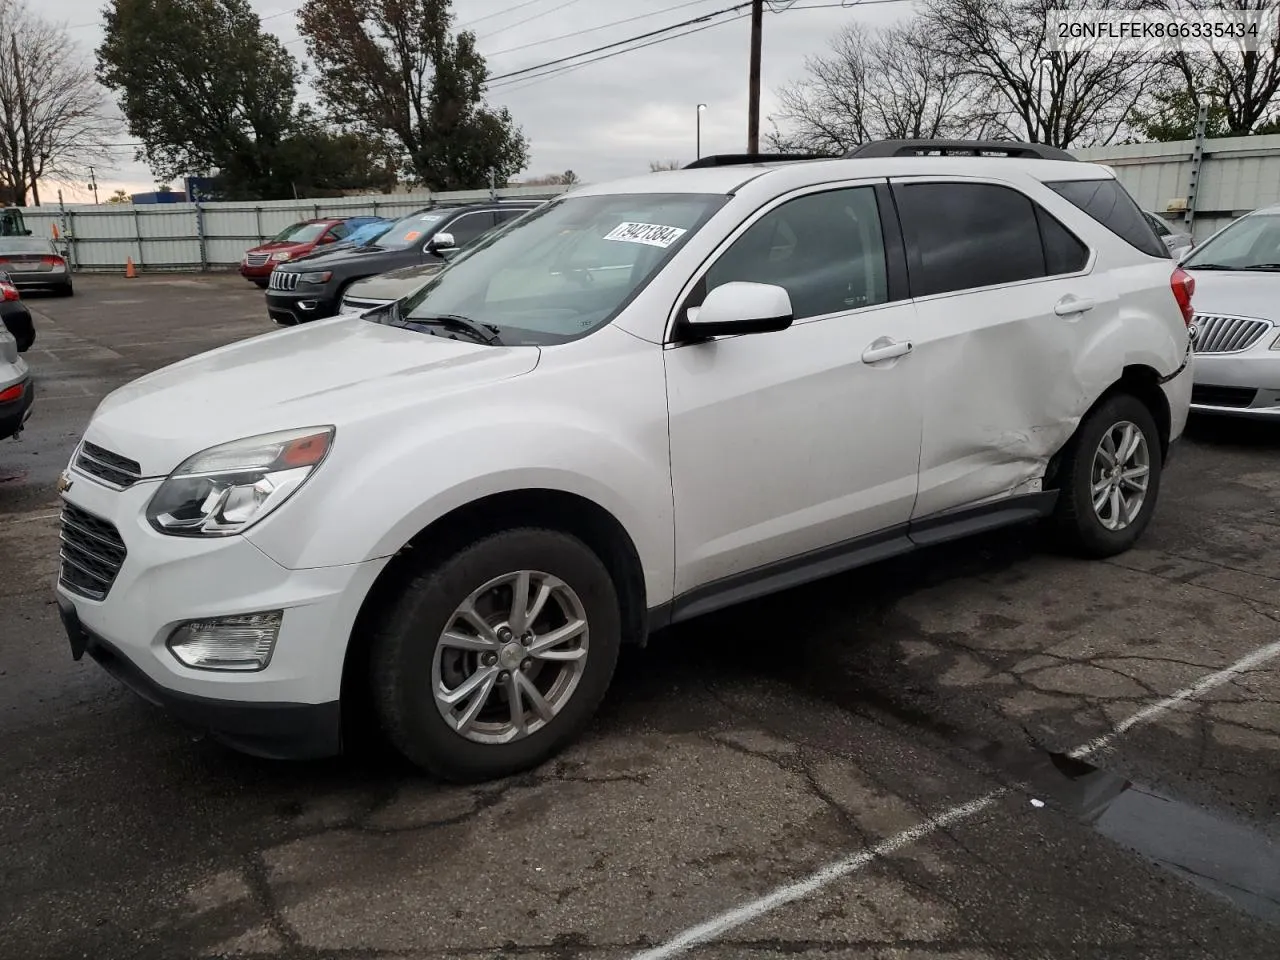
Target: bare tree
<point>1079,97</point>
<point>657,166</point>
<point>872,85</point>
<point>1238,85</point>
<point>53,119</point>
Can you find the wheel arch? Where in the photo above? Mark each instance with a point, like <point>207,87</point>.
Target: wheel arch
<point>570,513</point>
<point>1140,381</point>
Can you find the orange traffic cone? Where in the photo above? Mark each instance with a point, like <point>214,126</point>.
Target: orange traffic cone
<point>129,270</point>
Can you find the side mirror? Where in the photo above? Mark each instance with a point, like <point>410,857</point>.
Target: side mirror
<point>442,242</point>
<point>738,307</point>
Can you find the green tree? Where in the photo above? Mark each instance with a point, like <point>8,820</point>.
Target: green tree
<point>394,71</point>
<point>118,196</point>
<point>203,87</point>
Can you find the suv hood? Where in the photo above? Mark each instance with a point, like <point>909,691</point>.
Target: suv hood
<point>395,283</point>
<point>335,371</point>
<point>1245,294</point>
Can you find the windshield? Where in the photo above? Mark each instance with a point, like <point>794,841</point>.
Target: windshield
<point>1251,243</point>
<point>300,233</point>
<point>413,229</point>
<point>563,269</point>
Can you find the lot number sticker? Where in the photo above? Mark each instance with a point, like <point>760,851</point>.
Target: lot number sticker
<point>651,234</point>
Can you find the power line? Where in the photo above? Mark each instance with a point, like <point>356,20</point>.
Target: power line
<point>529,82</point>
<point>533,16</point>
<point>603,26</point>
<point>619,43</point>
<point>500,13</point>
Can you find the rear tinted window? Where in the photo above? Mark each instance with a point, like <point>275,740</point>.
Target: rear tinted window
<point>1110,204</point>
<point>968,235</point>
<point>1063,251</point>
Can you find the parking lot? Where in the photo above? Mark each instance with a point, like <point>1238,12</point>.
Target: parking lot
<point>983,751</point>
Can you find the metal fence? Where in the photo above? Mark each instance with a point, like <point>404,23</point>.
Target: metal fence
<point>1225,179</point>
<point>213,236</point>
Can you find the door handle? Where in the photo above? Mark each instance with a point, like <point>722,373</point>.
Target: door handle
<point>1070,305</point>
<point>886,349</point>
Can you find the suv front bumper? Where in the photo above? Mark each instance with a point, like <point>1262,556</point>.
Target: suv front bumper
<point>290,708</point>
<point>294,307</point>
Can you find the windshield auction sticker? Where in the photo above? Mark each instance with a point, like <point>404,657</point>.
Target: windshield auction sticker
<point>652,234</point>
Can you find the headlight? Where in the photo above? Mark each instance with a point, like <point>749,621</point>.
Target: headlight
<point>319,276</point>
<point>281,255</point>
<point>226,489</point>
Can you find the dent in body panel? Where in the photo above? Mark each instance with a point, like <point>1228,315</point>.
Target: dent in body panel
<point>1004,395</point>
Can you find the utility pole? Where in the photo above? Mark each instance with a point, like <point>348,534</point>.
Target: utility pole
<point>753,80</point>
<point>93,185</point>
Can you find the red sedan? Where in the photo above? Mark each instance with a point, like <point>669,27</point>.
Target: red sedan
<point>290,244</point>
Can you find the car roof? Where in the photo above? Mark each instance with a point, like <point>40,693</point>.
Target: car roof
<point>728,179</point>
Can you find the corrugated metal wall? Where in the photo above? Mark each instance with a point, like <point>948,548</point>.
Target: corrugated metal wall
<point>187,236</point>
<point>1237,175</point>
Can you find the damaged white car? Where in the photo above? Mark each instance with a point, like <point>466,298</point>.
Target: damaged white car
<point>642,402</point>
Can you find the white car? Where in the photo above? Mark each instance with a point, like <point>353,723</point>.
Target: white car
<point>1237,322</point>
<point>1177,242</point>
<point>647,400</point>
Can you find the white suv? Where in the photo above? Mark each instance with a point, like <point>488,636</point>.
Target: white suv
<point>644,401</point>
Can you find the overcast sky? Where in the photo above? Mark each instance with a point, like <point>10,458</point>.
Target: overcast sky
<point>606,119</point>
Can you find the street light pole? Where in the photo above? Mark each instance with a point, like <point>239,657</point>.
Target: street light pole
<point>701,107</point>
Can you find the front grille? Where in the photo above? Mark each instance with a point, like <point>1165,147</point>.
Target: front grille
<point>92,553</point>
<point>1211,396</point>
<point>111,467</point>
<point>256,259</point>
<point>282,280</point>
<point>1224,334</point>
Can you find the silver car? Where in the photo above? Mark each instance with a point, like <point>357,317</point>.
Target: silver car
<point>1237,317</point>
<point>1177,242</point>
<point>16,391</point>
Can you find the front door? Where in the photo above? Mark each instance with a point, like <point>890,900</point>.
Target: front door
<point>787,443</point>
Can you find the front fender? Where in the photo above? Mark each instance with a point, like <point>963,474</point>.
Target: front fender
<point>607,443</point>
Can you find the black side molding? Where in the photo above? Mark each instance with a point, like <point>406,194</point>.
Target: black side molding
<point>851,554</point>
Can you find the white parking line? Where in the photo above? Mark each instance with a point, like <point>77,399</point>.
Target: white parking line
<point>729,920</point>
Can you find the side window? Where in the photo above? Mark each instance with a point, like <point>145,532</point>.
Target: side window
<point>507,215</point>
<point>965,235</point>
<point>1110,204</point>
<point>1063,251</point>
<point>469,226</point>
<point>825,249</point>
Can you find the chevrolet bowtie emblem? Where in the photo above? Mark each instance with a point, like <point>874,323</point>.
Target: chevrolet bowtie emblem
<point>64,482</point>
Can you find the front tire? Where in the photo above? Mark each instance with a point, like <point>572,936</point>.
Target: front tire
<point>1110,479</point>
<point>492,660</point>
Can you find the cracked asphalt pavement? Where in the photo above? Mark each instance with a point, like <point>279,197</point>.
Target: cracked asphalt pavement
<point>735,755</point>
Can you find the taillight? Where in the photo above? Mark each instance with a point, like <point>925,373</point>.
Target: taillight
<point>1184,285</point>
<point>53,261</point>
<point>13,393</point>
<point>9,292</point>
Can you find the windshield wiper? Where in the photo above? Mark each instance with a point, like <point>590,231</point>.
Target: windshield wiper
<point>1262,266</point>
<point>1210,266</point>
<point>484,332</point>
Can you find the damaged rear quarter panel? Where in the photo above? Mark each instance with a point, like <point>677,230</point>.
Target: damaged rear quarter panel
<point>1008,381</point>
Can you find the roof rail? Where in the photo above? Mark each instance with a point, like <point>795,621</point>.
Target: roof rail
<point>736,159</point>
<point>962,148</point>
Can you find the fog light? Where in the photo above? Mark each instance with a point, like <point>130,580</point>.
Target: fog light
<point>242,642</point>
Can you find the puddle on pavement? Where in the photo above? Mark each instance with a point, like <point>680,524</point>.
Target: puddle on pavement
<point>1220,855</point>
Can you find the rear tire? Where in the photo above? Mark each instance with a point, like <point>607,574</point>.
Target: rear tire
<point>419,676</point>
<point>1110,479</point>
<point>67,290</point>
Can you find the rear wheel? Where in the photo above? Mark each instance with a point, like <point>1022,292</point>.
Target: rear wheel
<point>492,660</point>
<point>66,290</point>
<point>1110,479</point>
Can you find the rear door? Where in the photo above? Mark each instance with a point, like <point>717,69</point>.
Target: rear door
<point>1007,301</point>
